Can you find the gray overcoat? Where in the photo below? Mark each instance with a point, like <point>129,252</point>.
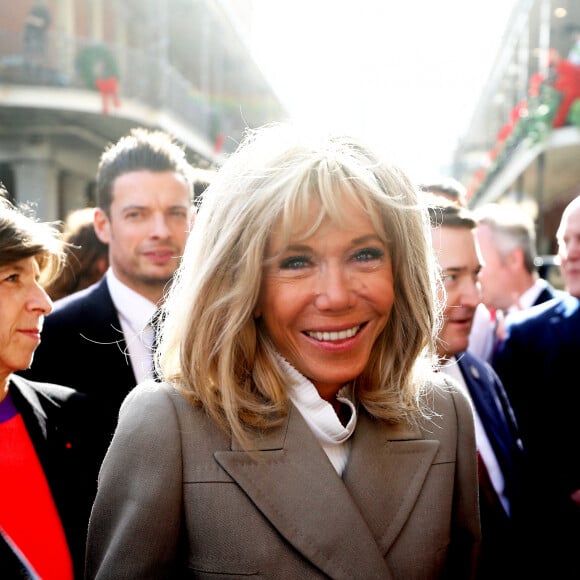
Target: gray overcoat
<point>178,498</point>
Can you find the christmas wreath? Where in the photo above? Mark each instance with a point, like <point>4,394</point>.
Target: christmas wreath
<point>96,62</point>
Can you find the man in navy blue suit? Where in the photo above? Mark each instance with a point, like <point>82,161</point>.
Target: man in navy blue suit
<point>538,364</point>
<point>99,340</point>
<point>500,451</point>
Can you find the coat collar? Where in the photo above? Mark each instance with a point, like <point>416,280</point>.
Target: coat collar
<point>343,526</point>
<point>26,401</point>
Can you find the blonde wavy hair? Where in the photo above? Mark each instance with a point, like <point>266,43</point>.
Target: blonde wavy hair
<point>217,354</point>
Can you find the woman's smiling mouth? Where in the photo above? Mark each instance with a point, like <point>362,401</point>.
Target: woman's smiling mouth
<point>335,335</point>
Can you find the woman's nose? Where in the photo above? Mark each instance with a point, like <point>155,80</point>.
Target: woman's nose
<point>39,300</point>
<point>335,289</point>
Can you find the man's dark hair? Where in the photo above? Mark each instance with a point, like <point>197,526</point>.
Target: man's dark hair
<point>140,150</point>
<point>445,213</point>
<point>447,187</point>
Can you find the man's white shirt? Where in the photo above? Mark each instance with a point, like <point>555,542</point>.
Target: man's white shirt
<point>134,312</point>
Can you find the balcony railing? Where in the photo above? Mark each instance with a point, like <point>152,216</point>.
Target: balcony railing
<point>75,63</point>
<point>553,102</point>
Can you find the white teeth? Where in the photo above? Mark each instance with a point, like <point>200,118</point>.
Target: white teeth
<point>334,335</point>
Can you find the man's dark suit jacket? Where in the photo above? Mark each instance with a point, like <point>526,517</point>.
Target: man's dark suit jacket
<point>503,546</point>
<point>58,422</point>
<point>538,364</point>
<point>548,293</point>
<point>83,347</point>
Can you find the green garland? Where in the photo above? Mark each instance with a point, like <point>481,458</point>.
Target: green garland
<point>96,62</point>
<point>574,114</point>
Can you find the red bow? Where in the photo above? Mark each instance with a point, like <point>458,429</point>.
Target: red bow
<point>108,88</point>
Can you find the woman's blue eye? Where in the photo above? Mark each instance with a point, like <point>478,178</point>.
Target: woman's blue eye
<point>368,254</point>
<point>294,263</point>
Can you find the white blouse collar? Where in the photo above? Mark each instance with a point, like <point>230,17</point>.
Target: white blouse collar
<point>318,413</point>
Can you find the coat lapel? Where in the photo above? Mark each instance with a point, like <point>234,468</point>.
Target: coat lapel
<point>394,459</point>
<point>34,417</point>
<point>28,405</point>
<point>310,505</point>
<point>488,407</point>
<point>101,326</point>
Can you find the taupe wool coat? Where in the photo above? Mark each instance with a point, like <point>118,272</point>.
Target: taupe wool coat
<point>179,499</point>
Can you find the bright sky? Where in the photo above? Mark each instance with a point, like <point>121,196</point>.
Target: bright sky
<point>402,74</point>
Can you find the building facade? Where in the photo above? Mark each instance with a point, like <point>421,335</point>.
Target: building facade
<point>76,75</point>
<point>523,143</point>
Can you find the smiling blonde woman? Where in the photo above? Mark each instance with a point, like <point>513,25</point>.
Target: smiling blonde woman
<point>300,431</point>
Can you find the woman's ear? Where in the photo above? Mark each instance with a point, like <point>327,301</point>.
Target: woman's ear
<point>257,312</point>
